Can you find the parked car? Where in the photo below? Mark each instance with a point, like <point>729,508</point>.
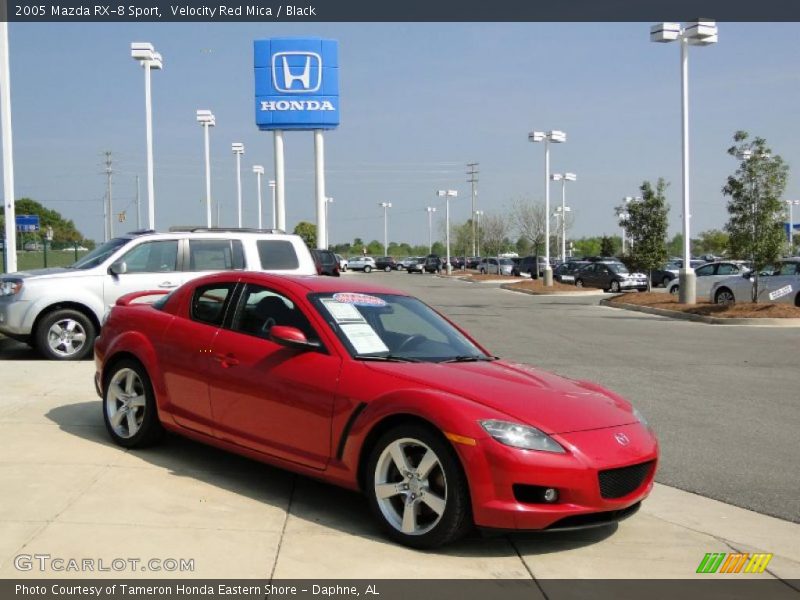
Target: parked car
<point>386,263</point>
<point>710,273</point>
<point>32,246</point>
<point>473,262</point>
<point>565,272</point>
<point>610,276</point>
<point>433,263</point>
<point>361,263</point>
<point>59,310</point>
<point>530,265</point>
<point>407,261</point>
<point>780,283</point>
<point>327,263</point>
<point>495,266</point>
<point>418,266</point>
<point>342,262</point>
<point>370,389</point>
<point>665,275</point>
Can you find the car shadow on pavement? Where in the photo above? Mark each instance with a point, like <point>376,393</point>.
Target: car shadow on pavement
<point>13,350</point>
<point>315,502</point>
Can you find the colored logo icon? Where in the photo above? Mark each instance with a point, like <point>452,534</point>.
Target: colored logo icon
<point>736,562</point>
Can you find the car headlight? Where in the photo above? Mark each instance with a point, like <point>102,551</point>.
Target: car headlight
<point>640,417</point>
<point>521,436</point>
<point>10,287</point>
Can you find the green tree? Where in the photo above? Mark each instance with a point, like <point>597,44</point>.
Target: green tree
<point>755,222</point>
<point>647,228</point>
<point>307,231</point>
<point>65,234</point>
<point>606,246</point>
<point>712,241</point>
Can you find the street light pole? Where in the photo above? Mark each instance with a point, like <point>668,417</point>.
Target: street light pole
<point>447,194</point>
<point>696,33</point>
<point>259,171</point>
<point>558,137</point>
<point>386,206</point>
<point>206,119</point>
<point>149,59</point>
<point>564,178</point>
<point>431,210</point>
<point>274,204</point>
<point>10,244</point>
<point>478,215</point>
<point>238,149</point>
<point>328,201</point>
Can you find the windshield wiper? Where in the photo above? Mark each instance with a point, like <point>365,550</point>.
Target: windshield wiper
<point>470,358</point>
<point>389,358</point>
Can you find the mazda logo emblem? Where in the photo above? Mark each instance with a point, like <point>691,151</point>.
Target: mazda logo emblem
<point>622,439</point>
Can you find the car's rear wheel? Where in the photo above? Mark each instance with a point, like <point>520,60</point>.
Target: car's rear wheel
<point>417,488</point>
<point>674,290</point>
<point>579,283</point>
<point>724,296</point>
<point>615,287</point>
<point>666,281</point>
<point>387,268</point>
<point>129,406</point>
<point>367,269</point>
<point>483,271</point>
<point>65,335</point>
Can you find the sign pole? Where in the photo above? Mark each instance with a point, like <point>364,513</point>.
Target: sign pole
<point>10,243</point>
<point>319,180</point>
<point>280,198</point>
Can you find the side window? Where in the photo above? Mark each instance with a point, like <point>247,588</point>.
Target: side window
<point>703,271</point>
<point>277,255</point>
<point>261,309</point>
<point>727,269</point>
<point>788,269</point>
<point>210,301</point>
<point>153,257</point>
<point>215,255</point>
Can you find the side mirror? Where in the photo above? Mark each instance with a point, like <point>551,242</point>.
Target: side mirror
<point>118,268</point>
<point>291,337</point>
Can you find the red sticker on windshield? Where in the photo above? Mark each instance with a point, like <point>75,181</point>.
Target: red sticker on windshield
<point>358,299</point>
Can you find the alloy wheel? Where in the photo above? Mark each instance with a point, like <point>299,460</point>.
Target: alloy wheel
<point>125,403</point>
<point>66,337</point>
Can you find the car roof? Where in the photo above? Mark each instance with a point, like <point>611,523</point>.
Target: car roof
<point>300,283</point>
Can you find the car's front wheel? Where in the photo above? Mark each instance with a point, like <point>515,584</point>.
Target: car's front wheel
<point>666,281</point>
<point>129,406</point>
<point>417,488</point>
<point>674,290</point>
<point>367,269</point>
<point>579,283</point>
<point>65,335</point>
<point>615,287</point>
<point>387,268</point>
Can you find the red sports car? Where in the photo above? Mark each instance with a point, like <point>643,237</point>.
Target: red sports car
<point>371,389</point>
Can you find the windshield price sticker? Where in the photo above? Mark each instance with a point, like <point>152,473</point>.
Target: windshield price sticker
<point>363,338</point>
<point>784,291</point>
<point>358,299</point>
<point>342,312</point>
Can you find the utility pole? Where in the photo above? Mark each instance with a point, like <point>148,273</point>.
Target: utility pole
<point>473,179</point>
<point>109,210</point>
<point>138,212</point>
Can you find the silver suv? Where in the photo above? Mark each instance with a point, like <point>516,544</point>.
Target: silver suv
<point>59,311</point>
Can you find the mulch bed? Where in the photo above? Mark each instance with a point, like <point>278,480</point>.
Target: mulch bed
<point>537,286</point>
<point>740,310</point>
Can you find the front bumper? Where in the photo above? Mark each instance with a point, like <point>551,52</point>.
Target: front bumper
<point>13,317</point>
<point>494,469</point>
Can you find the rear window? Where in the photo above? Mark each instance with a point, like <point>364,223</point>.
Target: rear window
<point>215,255</point>
<point>277,255</point>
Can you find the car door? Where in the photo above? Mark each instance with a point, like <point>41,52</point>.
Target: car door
<point>785,283</point>
<point>150,265</point>
<point>708,275</point>
<point>267,397</point>
<point>184,354</point>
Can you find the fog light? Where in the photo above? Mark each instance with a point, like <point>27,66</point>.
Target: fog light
<point>550,495</point>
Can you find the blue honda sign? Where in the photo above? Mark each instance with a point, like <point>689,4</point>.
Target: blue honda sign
<point>27,223</point>
<point>297,83</point>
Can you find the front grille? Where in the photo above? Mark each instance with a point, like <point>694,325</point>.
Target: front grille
<point>616,483</point>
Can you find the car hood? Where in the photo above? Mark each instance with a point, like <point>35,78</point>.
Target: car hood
<point>549,402</point>
<point>35,273</point>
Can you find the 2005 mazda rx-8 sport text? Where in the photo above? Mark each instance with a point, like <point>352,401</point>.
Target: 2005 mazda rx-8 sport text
<point>371,389</point>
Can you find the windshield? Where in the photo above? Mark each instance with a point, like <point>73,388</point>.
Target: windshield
<point>392,327</point>
<point>100,254</point>
<point>618,268</point>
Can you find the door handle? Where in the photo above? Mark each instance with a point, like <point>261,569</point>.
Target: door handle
<point>226,360</point>
<point>167,284</point>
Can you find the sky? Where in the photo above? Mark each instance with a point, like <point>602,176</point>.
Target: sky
<point>418,102</point>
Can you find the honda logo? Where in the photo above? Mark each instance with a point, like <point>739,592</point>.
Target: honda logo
<point>622,439</point>
<point>306,71</point>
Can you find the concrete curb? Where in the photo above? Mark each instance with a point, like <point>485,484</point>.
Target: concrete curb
<point>507,286</point>
<point>674,314</point>
<point>468,280</point>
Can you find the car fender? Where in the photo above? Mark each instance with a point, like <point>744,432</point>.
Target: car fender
<point>79,296</point>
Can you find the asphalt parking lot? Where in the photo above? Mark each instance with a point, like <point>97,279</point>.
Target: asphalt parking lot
<point>728,431</point>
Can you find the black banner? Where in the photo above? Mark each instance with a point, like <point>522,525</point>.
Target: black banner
<point>713,588</point>
<point>407,10</point>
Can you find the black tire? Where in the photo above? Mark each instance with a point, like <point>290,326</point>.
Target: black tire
<point>724,296</point>
<point>62,346</point>
<point>666,281</point>
<point>483,271</point>
<point>615,289</point>
<point>579,283</point>
<point>387,268</point>
<point>367,269</point>
<point>456,518</point>
<point>149,429</point>
<point>675,290</point>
